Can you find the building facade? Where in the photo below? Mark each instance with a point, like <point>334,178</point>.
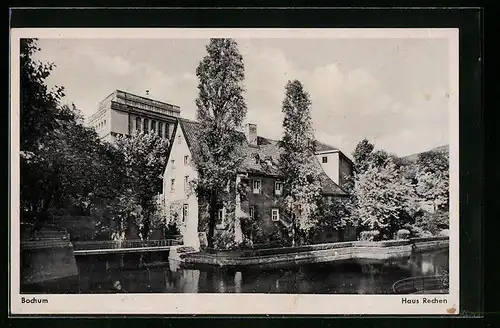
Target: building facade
<point>123,113</point>
<point>260,205</point>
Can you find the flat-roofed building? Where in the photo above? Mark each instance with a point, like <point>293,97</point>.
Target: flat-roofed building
<point>123,113</point>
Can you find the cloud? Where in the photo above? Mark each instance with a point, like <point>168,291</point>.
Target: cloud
<point>349,102</point>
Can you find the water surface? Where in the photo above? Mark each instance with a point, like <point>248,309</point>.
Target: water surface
<point>100,274</point>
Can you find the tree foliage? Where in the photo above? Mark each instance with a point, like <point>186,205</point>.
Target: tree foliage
<point>40,113</point>
<point>144,158</point>
<point>221,109</point>
<point>362,154</point>
<point>63,164</point>
<point>383,198</point>
<point>432,178</point>
<point>302,184</point>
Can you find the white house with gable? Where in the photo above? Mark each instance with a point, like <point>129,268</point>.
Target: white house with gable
<point>259,172</point>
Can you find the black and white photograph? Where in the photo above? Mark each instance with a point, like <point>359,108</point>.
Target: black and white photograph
<point>234,171</point>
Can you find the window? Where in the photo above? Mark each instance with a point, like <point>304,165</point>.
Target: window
<point>145,125</point>
<point>275,214</point>
<point>185,212</point>
<point>325,159</point>
<point>173,164</point>
<point>167,130</point>
<point>186,183</point>
<point>278,188</point>
<point>221,216</point>
<point>172,185</point>
<point>251,211</point>
<point>138,124</point>
<point>186,159</point>
<point>153,126</point>
<point>256,186</point>
<point>160,129</point>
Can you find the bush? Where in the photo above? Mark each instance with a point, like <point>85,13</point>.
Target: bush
<point>371,235</point>
<point>432,222</point>
<point>444,233</point>
<point>418,232</point>
<point>225,241</point>
<point>172,230</point>
<point>403,234</point>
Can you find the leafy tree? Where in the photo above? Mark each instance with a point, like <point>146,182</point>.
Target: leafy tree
<point>69,171</point>
<point>144,158</point>
<point>40,113</point>
<point>362,154</point>
<point>432,178</point>
<point>383,199</point>
<point>302,188</point>
<point>334,214</point>
<point>221,109</point>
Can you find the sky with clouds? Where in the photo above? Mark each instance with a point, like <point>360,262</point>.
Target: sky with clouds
<point>392,91</point>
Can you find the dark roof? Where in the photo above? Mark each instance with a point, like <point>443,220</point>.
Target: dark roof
<point>263,158</point>
<point>324,147</point>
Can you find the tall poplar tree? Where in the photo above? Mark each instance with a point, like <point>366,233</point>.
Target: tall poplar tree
<point>221,109</point>
<point>302,188</point>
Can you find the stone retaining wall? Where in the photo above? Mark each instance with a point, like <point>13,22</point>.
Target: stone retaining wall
<point>320,253</point>
<point>47,260</point>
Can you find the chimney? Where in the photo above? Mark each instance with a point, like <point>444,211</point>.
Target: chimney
<point>251,134</point>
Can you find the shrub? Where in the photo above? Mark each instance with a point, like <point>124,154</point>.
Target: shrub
<point>432,222</point>
<point>418,232</point>
<point>172,230</point>
<point>444,233</point>
<point>225,241</point>
<point>371,235</point>
<point>403,234</point>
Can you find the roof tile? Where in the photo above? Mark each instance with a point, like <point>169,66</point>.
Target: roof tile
<point>263,158</point>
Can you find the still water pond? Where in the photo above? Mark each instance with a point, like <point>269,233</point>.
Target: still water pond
<point>101,274</point>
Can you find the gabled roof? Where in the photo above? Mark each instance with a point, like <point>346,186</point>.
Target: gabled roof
<point>324,147</point>
<point>263,158</point>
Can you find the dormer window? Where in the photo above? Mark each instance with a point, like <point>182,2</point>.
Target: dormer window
<point>257,159</point>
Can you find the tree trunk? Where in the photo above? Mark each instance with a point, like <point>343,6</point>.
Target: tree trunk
<point>146,225</point>
<point>212,220</point>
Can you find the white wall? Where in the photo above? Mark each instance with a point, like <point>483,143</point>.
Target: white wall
<point>332,167</point>
<point>179,195</point>
<point>119,122</point>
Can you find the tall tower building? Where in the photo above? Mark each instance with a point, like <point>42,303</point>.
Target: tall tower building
<point>123,113</point>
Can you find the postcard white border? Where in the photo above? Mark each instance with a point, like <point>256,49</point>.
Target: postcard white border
<point>232,304</point>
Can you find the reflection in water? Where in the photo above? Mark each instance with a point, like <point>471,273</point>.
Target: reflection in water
<point>99,274</point>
